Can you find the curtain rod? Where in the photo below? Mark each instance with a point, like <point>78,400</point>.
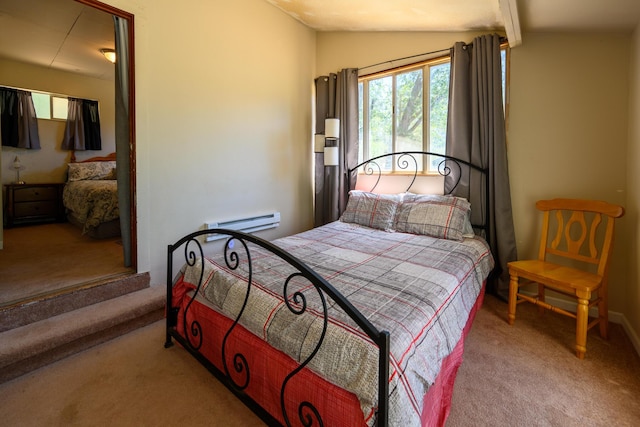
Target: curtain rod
<point>502,40</point>
<point>406,57</point>
<point>59,95</point>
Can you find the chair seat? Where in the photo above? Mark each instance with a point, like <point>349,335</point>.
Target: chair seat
<point>570,232</point>
<point>555,275</point>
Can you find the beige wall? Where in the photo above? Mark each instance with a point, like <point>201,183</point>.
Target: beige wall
<point>223,104</point>
<point>339,50</point>
<point>49,163</point>
<point>567,129</point>
<point>632,294</point>
<point>224,119</point>
<point>567,132</point>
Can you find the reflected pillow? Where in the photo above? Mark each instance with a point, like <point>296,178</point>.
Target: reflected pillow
<point>371,210</point>
<point>438,216</point>
<point>91,171</point>
<point>111,175</point>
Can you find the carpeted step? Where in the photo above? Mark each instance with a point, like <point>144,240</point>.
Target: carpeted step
<point>44,307</point>
<point>32,346</point>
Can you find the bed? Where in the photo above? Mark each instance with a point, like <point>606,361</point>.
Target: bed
<point>358,322</point>
<point>90,196</point>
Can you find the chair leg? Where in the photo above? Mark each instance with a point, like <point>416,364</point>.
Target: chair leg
<point>603,314</point>
<point>541,297</point>
<point>513,290</point>
<point>582,319</point>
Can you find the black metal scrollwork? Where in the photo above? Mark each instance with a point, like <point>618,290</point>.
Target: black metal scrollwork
<point>240,365</point>
<point>444,169</point>
<point>307,413</point>
<point>296,302</point>
<point>300,300</point>
<point>406,161</point>
<point>368,169</point>
<point>191,257</point>
<point>449,167</point>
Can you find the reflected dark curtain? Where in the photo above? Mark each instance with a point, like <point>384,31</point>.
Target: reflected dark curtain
<point>74,129</point>
<point>336,97</point>
<point>476,133</point>
<point>122,133</point>
<point>82,130</point>
<point>18,122</point>
<point>91,118</point>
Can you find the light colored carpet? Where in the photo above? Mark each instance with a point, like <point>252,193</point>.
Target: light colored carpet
<point>527,374</point>
<point>521,375</point>
<point>41,259</point>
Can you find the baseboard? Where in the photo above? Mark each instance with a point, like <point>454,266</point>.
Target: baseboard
<point>631,333</point>
<point>614,317</point>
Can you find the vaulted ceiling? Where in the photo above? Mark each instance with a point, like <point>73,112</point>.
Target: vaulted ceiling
<point>67,35</point>
<point>463,15</point>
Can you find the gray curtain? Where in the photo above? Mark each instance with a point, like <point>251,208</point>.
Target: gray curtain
<point>91,118</point>
<point>122,133</point>
<point>336,97</point>
<point>82,130</point>
<point>73,138</point>
<point>476,133</point>
<point>18,119</point>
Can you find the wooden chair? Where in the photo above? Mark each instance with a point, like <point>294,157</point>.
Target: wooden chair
<point>573,238</point>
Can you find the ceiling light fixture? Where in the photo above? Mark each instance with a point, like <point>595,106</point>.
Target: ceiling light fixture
<point>110,54</point>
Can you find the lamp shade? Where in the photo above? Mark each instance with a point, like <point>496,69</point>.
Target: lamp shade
<point>318,145</point>
<point>332,128</point>
<point>17,166</point>
<point>331,156</point>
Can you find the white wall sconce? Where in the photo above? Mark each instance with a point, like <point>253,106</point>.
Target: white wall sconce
<point>331,156</point>
<point>332,128</point>
<point>331,132</point>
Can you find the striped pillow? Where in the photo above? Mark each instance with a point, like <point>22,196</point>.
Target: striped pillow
<point>371,210</point>
<point>433,215</point>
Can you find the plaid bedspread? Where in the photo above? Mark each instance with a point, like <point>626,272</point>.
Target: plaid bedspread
<point>420,289</point>
<point>92,201</point>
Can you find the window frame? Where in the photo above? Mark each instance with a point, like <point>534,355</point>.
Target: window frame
<point>363,102</point>
<point>53,113</point>
<point>363,82</point>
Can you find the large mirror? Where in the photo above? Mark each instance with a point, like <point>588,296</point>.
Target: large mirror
<point>54,46</point>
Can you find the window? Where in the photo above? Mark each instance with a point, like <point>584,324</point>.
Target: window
<point>49,106</point>
<point>406,110</point>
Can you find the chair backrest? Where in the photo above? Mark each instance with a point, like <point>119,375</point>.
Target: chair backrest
<point>581,242</point>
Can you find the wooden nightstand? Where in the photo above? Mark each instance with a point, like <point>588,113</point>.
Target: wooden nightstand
<point>34,203</point>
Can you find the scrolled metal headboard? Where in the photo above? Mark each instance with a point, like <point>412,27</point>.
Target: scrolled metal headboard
<point>406,161</point>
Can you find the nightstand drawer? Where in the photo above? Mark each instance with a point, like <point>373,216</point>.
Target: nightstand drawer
<point>32,194</point>
<point>33,209</point>
<point>33,203</point>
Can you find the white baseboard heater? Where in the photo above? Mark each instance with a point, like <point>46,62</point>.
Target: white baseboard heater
<point>247,225</point>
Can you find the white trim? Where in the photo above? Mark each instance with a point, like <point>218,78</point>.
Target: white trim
<point>633,336</point>
<point>509,9</point>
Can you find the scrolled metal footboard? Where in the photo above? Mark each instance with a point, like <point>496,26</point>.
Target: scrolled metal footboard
<point>238,375</point>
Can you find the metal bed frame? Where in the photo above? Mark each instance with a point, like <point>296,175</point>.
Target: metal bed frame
<point>296,303</point>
